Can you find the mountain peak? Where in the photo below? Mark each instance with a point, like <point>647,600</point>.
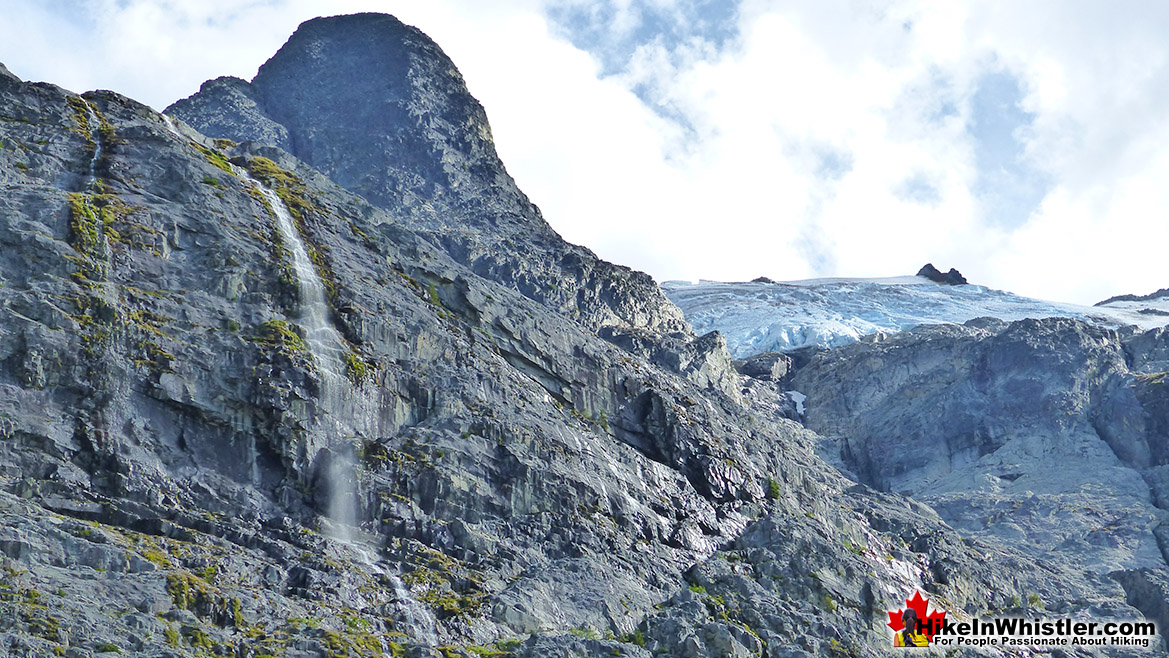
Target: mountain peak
<point>377,107</point>
<point>237,400</point>
<point>368,100</point>
<point>6,74</point>
<point>951,278</point>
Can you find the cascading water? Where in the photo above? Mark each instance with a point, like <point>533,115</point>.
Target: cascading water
<point>350,410</point>
<point>412,614</point>
<point>255,457</point>
<point>328,351</point>
<point>170,126</point>
<point>95,124</point>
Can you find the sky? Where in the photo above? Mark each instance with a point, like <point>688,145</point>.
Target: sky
<point>1022,143</point>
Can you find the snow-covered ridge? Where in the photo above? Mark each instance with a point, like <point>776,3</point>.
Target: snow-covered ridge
<point>781,317</point>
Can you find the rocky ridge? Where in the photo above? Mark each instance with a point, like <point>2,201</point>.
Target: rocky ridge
<point>1046,435</point>
<point>545,461</point>
<point>951,278</point>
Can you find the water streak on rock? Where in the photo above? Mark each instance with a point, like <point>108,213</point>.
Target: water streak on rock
<point>170,126</point>
<point>328,350</point>
<point>95,123</point>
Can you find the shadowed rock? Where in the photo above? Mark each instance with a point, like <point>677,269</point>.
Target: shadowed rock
<point>951,278</point>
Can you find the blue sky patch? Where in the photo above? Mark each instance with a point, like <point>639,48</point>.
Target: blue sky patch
<point>1009,186</point>
<point>597,27</point>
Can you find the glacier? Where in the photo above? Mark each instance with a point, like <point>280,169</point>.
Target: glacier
<point>764,316</point>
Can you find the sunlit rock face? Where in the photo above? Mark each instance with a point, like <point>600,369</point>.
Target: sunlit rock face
<point>251,407</point>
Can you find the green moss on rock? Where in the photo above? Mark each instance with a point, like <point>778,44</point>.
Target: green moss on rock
<point>215,158</point>
<point>281,335</point>
<point>356,369</point>
<point>83,223</point>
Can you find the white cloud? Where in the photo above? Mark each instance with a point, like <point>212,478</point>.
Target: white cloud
<point>874,85</point>
<point>785,152</point>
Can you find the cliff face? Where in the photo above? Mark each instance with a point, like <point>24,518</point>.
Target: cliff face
<point>1049,415</point>
<point>478,438</point>
<point>1047,435</point>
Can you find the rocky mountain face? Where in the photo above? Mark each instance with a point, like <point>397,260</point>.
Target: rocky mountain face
<point>1046,435</point>
<point>307,376</point>
<point>377,107</point>
<point>951,278</point>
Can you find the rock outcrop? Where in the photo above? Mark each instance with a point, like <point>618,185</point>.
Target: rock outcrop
<point>951,278</point>
<point>771,366</point>
<point>1046,435</point>
<point>1160,294</point>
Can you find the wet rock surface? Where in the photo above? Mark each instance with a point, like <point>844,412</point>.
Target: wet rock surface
<point>542,457</point>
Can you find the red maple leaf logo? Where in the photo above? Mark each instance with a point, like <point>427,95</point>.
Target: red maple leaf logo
<point>930,623</point>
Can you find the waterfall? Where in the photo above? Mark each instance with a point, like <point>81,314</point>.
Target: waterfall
<point>350,411</point>
<point>414,615</point>
<point>325,343</point>
<point>95,128</point>
<point>170,126</point>
<point>255,459</point>
<point>328,350</point>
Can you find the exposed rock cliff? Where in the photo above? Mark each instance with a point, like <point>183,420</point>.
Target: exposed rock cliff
<point>1047,435</point>
<point>951,278</point>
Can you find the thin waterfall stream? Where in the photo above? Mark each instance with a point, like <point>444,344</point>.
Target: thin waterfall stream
<point>338,394</point>
<point>95,124</point>
<point>171,127</point>
<point>328,350</point>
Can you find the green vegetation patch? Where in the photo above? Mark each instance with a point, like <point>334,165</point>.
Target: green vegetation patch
<point>445,584</point>
<point>281,335</point>
<point>374,454</point>
<point>1152,379</point>
<point>356,368</point>
<point>215,158</point>
<point>81,112</point>
<point>276,177</point>
<point>83,223</point>
<point>94,216</point>
<point>184,590</point>
<point>198,638</point>
<point>773,489</point>
<point>288,187</point>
